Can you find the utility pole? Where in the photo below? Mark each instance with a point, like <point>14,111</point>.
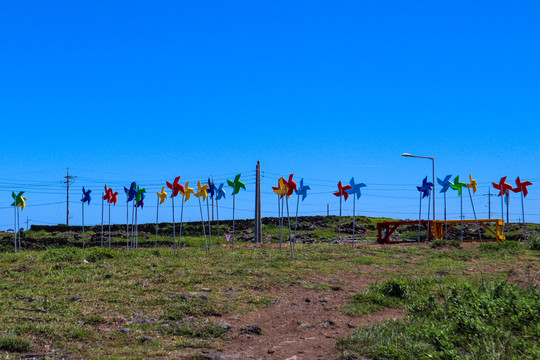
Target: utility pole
<point>69,180</point>
<point>327,209</point>
<point>27,222</point>
<point>489,195</point>
<point>258,221</point>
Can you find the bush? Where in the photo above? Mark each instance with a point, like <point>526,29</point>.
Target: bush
<point>493,321</point>
<point>534,242</point>
<point>13,343</point>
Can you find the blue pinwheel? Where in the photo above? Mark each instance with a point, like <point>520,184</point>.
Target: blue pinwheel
<point>445,183</point>
<point>220,194</point>
<point>301,192</point>
<point>356,193</point>
<point>211,191</point>
<point>85,199</point>
<point>425,191</point>
<point>131,194</point>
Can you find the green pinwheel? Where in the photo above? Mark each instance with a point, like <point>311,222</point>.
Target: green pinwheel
<point>19,202</point>
<point>458,185</point>
<point>236,185</point>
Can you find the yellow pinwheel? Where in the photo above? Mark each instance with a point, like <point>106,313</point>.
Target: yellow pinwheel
<point>162,195</point>
<point>201,191</point>
<point>187,191</point>
<point>281,189</point>
<point>472,184</point>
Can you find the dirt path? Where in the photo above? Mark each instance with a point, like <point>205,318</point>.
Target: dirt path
<point>302,324</point>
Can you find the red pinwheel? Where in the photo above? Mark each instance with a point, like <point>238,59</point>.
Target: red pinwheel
<point>108,194</point>
<point>175,187</point>
<point>502,186</point>
<point>114,198</point>
<point>291,186</point>
<point>521,187</point>
<point>342,191</point>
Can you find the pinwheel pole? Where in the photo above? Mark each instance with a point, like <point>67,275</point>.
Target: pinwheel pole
<point>203,226</point>
<point>302,191</point>
<point>102,216</point>
<point>236,185</point>
<point>209,222</point>
<point>217,218</point>
<point>82,203</point>
<point>289,221</point>
<point>109,224</point>
<point>420,219</point>
<point>15,225</point>
<point>281,221</point>
<point>523,217</point>
<point>474,212</point>
<point>181,221</point>
<point>157,220</point>
<point>19,227</point>
<point>521,187</point>
<point>428,212</point>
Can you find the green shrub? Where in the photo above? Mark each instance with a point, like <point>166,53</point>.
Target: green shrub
<point>534,242</point>
<point>442,243</point>
<point>493,321</point>
<point>508,246</point>
<point>13,343</point>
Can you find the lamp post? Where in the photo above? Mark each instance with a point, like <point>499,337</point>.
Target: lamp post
<point>433,162</point>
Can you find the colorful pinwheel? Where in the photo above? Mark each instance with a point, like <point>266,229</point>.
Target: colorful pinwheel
<point>290,187</point>
<point>131,194</point>
<point>445,186</point>
<point>236,185</point>
<point>107,195</point>
<point>176,188</point>
<point>301,192</point>
<point>161,197</point>
<point>503,188</point>
<point>356,192</point>
<point>202,193</point>
<point>85,199</point>
<point>473,184</point>
<point>341,193</point>
<point>521,187</point>
<point>86,196</point>
<point>458,185</point>
<point>211,192</point>
<point>139,203</point>
<point>425,191</point>
<point>19,202</point>
<point>186,193</point>
<point>281,191</point>
<point>220,194</point>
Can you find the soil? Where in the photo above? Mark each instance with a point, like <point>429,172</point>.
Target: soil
<point>302,324</point>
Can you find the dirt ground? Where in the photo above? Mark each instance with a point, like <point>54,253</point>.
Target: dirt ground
<point>302,324</point>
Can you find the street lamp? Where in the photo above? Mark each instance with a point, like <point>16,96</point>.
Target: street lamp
<point>433,160</point>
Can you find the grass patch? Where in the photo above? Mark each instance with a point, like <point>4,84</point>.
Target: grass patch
<point>493,321</point>
<point>204,330</point>
<point>14,343</point>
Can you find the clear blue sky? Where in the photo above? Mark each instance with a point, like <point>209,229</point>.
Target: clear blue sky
<point>132,91</point>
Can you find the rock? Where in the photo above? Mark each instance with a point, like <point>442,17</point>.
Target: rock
<point>251,329</point>
<point>223,324</point>
<point>75,298</point>
<point>206,289</point>
<point>125,330</point>
<point>327,323</point>
<point>351,357</point>
<point>303,326</point>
